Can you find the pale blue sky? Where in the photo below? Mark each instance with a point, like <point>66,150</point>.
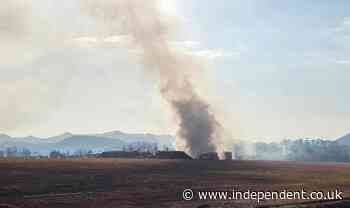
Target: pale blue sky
<point>281,68</point>
<point>293,72</point>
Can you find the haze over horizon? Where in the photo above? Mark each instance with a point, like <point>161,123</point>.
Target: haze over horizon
<point>277,71</point>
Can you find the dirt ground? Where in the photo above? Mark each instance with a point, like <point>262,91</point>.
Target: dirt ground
<point>125,183</point>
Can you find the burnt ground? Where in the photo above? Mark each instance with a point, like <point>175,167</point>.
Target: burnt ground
<point>107,183</point>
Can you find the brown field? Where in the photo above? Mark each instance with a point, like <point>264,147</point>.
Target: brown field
<point>156,183</point>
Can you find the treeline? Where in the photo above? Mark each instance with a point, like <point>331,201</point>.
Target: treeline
<point>14,152</point>
<point>142,147</point>
<point>299,150</point>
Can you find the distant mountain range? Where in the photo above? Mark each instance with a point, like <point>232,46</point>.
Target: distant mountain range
<point>114,140</point>
<point>344,139</point>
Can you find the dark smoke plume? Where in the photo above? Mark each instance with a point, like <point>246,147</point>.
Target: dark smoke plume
<point>197,124</point>
<point>150,31</point>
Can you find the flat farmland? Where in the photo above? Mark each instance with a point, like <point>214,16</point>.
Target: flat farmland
<point>128,183</point>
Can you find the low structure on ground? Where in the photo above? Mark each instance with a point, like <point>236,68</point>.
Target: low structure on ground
<point>209,156</point>
<point>227,155</point>
<point>125,154</point>
<point>172,155</point>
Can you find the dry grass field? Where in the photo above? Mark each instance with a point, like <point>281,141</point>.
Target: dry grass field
<point>107,183</point>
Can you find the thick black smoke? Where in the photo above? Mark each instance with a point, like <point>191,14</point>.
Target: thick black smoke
<point>197,125</point>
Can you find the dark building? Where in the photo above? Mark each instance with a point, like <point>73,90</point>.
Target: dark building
<point>227,155</point>
<point>209,156</point>
<point>125,154</point>
<point>172,155</point>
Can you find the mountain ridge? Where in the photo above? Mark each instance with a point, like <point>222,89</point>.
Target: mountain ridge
<point>112,140</point>
<point>344,139</point>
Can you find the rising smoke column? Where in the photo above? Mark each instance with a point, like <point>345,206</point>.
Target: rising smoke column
<point>150,30</point>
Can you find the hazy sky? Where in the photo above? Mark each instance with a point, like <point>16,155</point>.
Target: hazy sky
<point>278,69</point>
